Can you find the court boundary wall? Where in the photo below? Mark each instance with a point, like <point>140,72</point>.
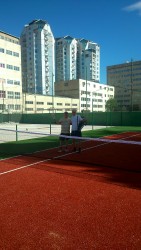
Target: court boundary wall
<point>93,118</point>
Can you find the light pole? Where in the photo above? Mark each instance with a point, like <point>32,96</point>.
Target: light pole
<point>52,92</point>
<point>35,90</point>
<point>131,85</point>
<point>86,89</point>
<point>92,114</point>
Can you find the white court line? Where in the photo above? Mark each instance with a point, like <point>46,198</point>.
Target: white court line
<point>56,157</point>
<point>15,169</point>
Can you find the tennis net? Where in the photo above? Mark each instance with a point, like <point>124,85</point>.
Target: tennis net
<point>118,150</point>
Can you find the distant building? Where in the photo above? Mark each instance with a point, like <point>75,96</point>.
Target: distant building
<point>10,74</point>
<point>37,53</point>
<point>92,96</point>
<point>48,104</point>
<point>12,100</point>
<point>77,59</point>
<point>126,78</point>
<point>65,54</point>
<point>88,60</point>
<point>27,73</point>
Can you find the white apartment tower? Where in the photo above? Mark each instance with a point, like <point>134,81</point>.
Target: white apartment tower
<point>77,59</point>
<point>66,58</point>
<point>37,53</point>
<point>88,60</point>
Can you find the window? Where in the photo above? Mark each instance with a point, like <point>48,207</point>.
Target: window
<point>10,106</point>
<point>17,95</point>
<point>2,106</point>
<point>84,99</point>
<point>9,52</point>
<point>16,82</point>
<point>1,37</point>
<point>16,54</point>
<point>40,103</point>
<point>59,104</point>
<point>10,94</point>
<point>9,66</point>
<point>17,107</point>
<point>2,65</point>
<point>2,94</point>
<point>29,109</point>
<point>29,102</point>
<point>40,109</point>
<point>16,68</point>
<point>84,105</point>
<point>9,81</point>
<point>1,50</point>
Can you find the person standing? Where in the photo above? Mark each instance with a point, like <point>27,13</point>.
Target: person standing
<point>75,121</point>
<point>65,130</point>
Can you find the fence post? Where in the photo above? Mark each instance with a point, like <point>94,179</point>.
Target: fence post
<point>50,128</point>
<point>16,133</point>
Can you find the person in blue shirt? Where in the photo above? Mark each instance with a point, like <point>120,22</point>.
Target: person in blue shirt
<point>76,132</point>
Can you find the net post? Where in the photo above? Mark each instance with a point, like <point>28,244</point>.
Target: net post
<point>16,133</point>
<point>50,128</point>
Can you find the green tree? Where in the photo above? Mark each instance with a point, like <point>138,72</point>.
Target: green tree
<point>111,105</point>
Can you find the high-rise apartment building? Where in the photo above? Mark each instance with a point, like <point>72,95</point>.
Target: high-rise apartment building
<point>37,53</point>
<point>66,58</point>
<point>10,74</point>
<point>126,78</point>
<point>88,60</point>
<point>77,59</point>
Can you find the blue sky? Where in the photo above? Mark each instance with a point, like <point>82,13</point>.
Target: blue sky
<point>113,24</point>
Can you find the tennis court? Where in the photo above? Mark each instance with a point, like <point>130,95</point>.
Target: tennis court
<point>87,200</point>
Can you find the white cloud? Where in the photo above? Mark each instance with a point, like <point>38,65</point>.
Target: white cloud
<point>134,7</point>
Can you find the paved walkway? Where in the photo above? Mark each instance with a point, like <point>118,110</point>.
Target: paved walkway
<point>6,135</point>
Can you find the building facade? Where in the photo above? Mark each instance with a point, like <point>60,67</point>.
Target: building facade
<point>12,98</point>
<point>10,74</point>
<point>27,73</point>
<point>88,60</point>
<point>38,62</point>
<point>126,78</point>
<point>92,96</point>
<point>77,59</point>
<point>65,58</point>
<point>34,103</point>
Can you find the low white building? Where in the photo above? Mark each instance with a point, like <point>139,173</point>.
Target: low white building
<point>92,96</point>
<point>10,73</point>
<point>33,103</point>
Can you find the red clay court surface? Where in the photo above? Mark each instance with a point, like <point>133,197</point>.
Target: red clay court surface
<point>73,201</point>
